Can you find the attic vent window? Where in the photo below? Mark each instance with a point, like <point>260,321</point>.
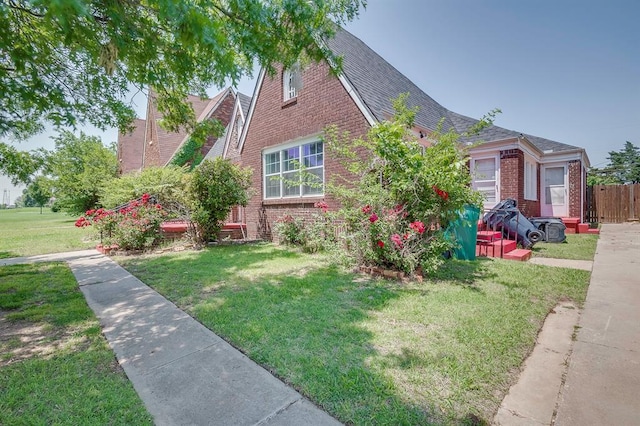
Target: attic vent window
<point>292,82</point>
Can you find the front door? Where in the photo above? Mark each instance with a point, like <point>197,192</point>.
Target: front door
<point>554,202</point>
<point>485,180</point>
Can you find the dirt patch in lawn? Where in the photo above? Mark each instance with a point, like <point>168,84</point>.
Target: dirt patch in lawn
<point>20,340</point>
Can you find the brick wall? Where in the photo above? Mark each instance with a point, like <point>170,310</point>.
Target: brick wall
<point>575,188</point>
<point>321,102</point>
<point>512,181</point>
<point>233,151</point>
<point>222,113</point>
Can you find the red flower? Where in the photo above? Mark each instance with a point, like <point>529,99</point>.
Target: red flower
<point>82,222</point>
<point>366,209</point>
<point>380,244</point>
<point>373,218</point>
<point>145,198</point>
<point>442,194</point>
<point>90,212</point>
<point>417,226</point>
<point>322,205</point>
<point>397,240</point>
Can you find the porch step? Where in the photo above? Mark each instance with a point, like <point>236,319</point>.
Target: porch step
<point>521,255</point>
<point>494,249</point>
<point>593,231</point>
<point>489,236</point>
<point>571,223</point>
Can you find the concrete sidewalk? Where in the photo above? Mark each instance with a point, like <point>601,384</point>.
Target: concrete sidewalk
<point>602,386</point>
<point>184,373</point>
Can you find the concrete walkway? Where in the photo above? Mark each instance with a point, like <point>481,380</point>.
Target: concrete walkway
<point>184,373</point>
<point>603,381</point>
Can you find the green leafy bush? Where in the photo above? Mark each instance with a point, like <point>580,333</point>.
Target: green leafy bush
<point>213,189</point>
<point>404,193</point>
<point>165,183</point>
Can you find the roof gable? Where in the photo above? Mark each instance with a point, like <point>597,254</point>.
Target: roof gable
<point>378,83</point>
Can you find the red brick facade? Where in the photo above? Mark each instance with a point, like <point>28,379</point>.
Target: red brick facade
<point>512,175</point>
<point>223,113</point>
<point>321,102</point>
<point>575,185</point>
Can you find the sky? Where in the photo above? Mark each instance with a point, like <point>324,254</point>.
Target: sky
<point>566,70</point>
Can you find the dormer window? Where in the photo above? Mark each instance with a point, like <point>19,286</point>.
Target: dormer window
<point>292,82</point>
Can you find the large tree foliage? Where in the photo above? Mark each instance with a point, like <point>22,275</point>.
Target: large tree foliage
<point>623,167</point>
<point>73,61</point>
<point>19,166</point>
<point>79,167</point>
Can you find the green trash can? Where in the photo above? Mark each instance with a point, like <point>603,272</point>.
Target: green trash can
<point>464,231</point>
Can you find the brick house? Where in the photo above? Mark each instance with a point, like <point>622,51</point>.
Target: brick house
<point>288,112</point>
<point>150,145</point>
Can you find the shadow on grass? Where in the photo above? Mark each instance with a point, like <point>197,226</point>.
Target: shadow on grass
<point>8,254</point>
<point>463,272</point>
<point>304,323</point>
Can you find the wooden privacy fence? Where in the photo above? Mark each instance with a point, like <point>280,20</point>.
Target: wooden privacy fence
<point>613,203</point>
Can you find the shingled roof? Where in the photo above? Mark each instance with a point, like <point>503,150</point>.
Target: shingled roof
<point>245,103</point>
<point>131,147</point>
<point>377,83</point>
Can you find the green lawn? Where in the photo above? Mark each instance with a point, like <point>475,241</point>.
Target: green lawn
<point>444,351</point>
<point>55,365</point>
<point>26,232</point>
<point>576,247</point>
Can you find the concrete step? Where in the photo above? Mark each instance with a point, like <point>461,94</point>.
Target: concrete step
<point>489,236</point>
<point>521,255</point>
<point>488,249</point>
<point>593,231</point>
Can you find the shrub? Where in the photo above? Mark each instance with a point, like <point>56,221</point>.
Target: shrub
<point>136,227</point>
<point>165,183</point>
<point>213,189</point>
<point>314,235</point>
<point>404,193</point>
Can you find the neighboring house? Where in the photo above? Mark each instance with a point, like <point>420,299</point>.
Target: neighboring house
<point>290,110</point>
<point>150,145</point>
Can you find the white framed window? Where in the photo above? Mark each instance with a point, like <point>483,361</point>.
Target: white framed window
<point>485,179</point>
<point>294,170</point>
<point>292,82</point>
<point>530,180</point>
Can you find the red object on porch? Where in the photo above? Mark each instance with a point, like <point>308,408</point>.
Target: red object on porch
<point>583,228</point>
<point>174,227</point>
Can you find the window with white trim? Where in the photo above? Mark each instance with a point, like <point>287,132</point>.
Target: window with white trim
<point>292,82</point>
<point>530,180</point>
<point>294,171</point>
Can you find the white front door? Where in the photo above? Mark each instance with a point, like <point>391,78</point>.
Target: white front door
<point>555,200</point>
<point>485,180</point>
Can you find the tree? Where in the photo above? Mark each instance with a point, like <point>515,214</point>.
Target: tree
<point>623,167</point>
<point>19,166</point>
<point>79,166</point>
<point>38,193</point>
<point>74,61</point>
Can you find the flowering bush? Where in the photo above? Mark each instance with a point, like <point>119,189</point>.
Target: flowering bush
<point>313,235</point>
<point>290,230</point>
<point>135,227</point>
<point>403,193</point>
